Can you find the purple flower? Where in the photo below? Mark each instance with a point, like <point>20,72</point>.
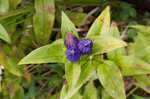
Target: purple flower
<point>76,48</point>
<point>71,40</point>
<point>73,54</point>
<point>85,46</point>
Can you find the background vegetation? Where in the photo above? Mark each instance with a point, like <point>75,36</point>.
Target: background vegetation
<point>26,25</point>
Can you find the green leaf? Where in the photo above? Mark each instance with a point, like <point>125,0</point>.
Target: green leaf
<point>90,91</point>
<point>143,81</point>
<point>4,6</point>
<point>106,23</point>
<point>51,53</point>
<point>76,76</point>
<point>67,25</point>
<point>114,30</point>
<point>116,34</point>
<point>101,24</point>
<point>105,95</point>
<point>105,44</point>
<point>72,72</point>
<point>86,70</point>
<point>4,35</point>
<point>129,65</point>
<point>43,20</point>
<point>141,28</point>
<point>111,79</point>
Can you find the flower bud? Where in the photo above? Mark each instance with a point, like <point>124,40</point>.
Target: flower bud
<point>73,54</point>
<point>71,40</point>
<point>85,46</point>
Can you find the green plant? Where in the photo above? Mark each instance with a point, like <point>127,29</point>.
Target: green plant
<point>77,73</point>
<point>45,71</point>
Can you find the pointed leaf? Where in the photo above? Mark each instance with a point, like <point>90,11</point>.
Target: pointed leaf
<point>106,23</point>
<point>51,53</point>
<point>4,35</point>
<point>43,20</point>
<point>114,31</point>
<point>101,24</point>
<point>116,34</point>
<point>111,79</point>
<point>67,25</point>
<point>106,44</point>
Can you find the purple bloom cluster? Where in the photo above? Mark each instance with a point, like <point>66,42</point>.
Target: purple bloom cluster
<point>76,47</point>
<point>85,46</point>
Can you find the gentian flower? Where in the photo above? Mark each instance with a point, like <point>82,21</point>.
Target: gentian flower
<point>71,40</point>
<point>73,54</point>
<point>85,46</point>
<point>76,48</point>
